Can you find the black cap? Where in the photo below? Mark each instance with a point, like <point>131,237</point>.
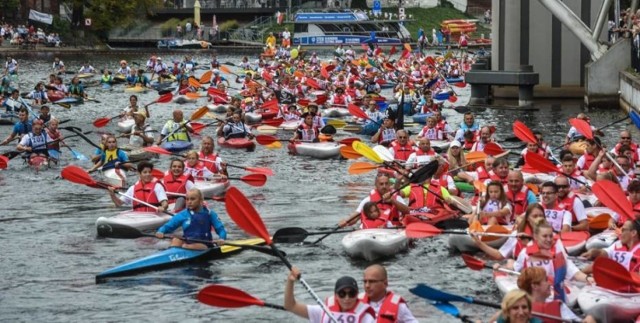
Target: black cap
<point>346,282</point>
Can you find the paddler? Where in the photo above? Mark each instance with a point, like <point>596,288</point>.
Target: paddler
<point>557,216</point>
<point>10,66</point>
<point>142,134</point>
<point>402,147</point>
<point>140,79</point>
<point>372,218</point>
<point>569,168</point>
<point>12,104</point>
<point>45,114</point>
<point>516,308</point>
<point>147,189</point>
<point>626,251</point>
<point>124,69</point>
<point>485,138</point>
<point>494,206</point>
<point>176,128</point>
<point>35,142</point>
<point>312,108</point>
<point>133,108</point>
<point>499,172</point>
<point>456,160</point>
<point>210,159</point>
<point>236,128</point>
<point>591,150</point>
<point>21,128</point>
<point>519,195</point>
<point>534,281</point>
<point>58,66</point>
<point>343,304</point>
<point>469,124</point>
<point>106,77</point>
<point>307,131</point>
<point>386,134</point>
<point>626,139</point>
<point>421,156</point>
<point>431,131</point>
<point>39,94</point>
<point>54,133</point>
<point>112,157</point>
<point>389,306</point>
<point>86,68</point>
<point>569,201</point>
<point>76,89</point>
<point>391,206</point>
<point>196,222</point>
<point>195,168</point>
<point>177,183</point>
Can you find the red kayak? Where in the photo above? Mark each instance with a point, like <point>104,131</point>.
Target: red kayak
<point>237,143</point>
<point>55,95</point>
<point>268,114</point>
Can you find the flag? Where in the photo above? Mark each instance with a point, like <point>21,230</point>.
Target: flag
<point>377,52</point>
<point>405,54</point>
<point>560,273</point>
<point>393,50</point>
<point>400,111</point>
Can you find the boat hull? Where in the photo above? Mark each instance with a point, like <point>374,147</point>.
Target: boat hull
<point>318,150</point>
<point>609,306</point>
<point>237,143</point>
<point>177,145</point>
<point>372,244</point>
<point>120,225</point>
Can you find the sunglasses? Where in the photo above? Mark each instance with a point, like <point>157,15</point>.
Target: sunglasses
<point>562,186</point>
<point>623,138</point>
<point>351,293</point>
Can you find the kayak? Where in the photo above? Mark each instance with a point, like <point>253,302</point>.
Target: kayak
<point>576,246</point>
<point>137,154</point>
<point>335,112</point>
<point>217,108</point>
<point>237,143</point>
<point>173,257</point>
<point>267,130</point>
<point>8,119</point>
<point>369,129</point>
<point>252,117</point>
<point>135,89</point>
<point>85,75</point>
<point>37,161</point>
<point>421,117</point>
<point>372,244</point>
<point>119,78</point>
<point>454,79</point>
<point>465,244</point>
<point>290,125</point>
<point>440,146</point>
<point>507,282</point>
<point>602,240</point>
<point>319,150</point>
<point>212,188</point>
<point>119,226</point>
<point>70,100</point>
<point>465,187</point>
<point>429,218</point>
<point>55,95</point>
<point>126,125</point>
<point>117,178</point>
<point>182,99</point>
<point>268,114</point>
<point>609,306</point>
<point>537,178</point>
<point>177,145</point>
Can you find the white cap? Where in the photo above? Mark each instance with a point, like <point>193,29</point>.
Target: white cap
<point>455,143</point>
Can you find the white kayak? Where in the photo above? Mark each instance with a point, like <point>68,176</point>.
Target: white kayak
<point>252,117</point>
<point>507,282</point>
<point>335,112</point>
<point>609,306</point>
<point>126,125</point>
<point>115,177</point>
<point>372,244</point>
<point>537,178</point>
<point>290,125</point>
<point>465,244</point>
<point>217,108</point>
<point>319,150</point>
<point>136,153</point>
<point>120,225</point>
<point>593,212</point>
<point>183,99</point>
<point>212,188</point>
<point>602,240</point>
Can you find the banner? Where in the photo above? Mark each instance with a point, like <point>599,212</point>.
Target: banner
<point>41,17</point>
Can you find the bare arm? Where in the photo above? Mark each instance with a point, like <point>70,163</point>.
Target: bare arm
<point>290,303</point>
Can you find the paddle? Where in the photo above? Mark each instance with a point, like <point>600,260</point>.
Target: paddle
<point>164,98</point>
<point>361,168</point>
<point>609,274</point>
<point>246,217</point>
<point>433,294</point>
<point>477,264</point>
<point>349,153</point>
<point>229,297</point>
<point>206,77</point>
<point>4,162</point>
<point>358,113</point>
<point>366,151</point>
<point>102,122</point>
<point>14,153</point>
<point>612,196</point>
<point>584,128</point>
<point>419,230</point>
<point>199,113</point>
<point>600,222</point>
<point>523,132</point>
<point>546,166</point>
<point>296,235</point>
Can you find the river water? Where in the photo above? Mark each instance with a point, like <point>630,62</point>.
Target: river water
<point>51,253</point>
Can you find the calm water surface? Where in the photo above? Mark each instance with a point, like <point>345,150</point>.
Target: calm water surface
<point>52,254</point>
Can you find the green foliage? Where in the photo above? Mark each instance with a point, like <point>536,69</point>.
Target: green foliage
<point>228,25</point>
<point>169,26</point>
<point>107,14</point>
<point>61,26</point>
<point>359,4</point>
<point>9,5</point>
<point>431,18</point>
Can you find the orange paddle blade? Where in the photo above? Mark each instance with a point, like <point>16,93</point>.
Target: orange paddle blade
<point>349,153</point>
<point>476,226</point>
<point>534,188</point>
<point>473,262</point>
<point>475,157</point>
<point>418,230</point>
<point>193,95</point>
<point>361,168</point>
<point>495,229</point>
<point>199,113</point>
<point>600,222</point>
<point>194,83</point>
<point>206,77</point>
<point>479,186</point>
<point>225,69</point>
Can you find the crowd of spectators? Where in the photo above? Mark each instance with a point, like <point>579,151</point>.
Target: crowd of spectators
<point>21,35</point>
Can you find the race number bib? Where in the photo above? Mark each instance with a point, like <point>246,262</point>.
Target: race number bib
<point>623,258</point>
<point>554,217</point>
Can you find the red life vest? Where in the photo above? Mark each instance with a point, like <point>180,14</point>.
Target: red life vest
<point>634,148</point>
<point>401,152</point>
<point>380,222</point>
<point>467,145</point>
<point>147,194</point>
<point>355,315</point>
<point>518,200</point>
<point>176,185</point>
<point>544,260</point>
<point>442,126</point>
<point>196,171</point>
<point>388,211</point>
<point>419,197</point>
<point>567,204</point>
<point>308,133</point>
<point>340,99</point>
<point>588,160</point>
<point>389,309</point>
<point>494,177</point>
<point>550,308</point>
<point>482,173</point>
<point>209,164</point>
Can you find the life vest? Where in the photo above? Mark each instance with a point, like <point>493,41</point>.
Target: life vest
<point>197,170</point>
<point>368,223</point>
<point>38,143</point>
<point>431,133</point>
<point>75,89</point>
<point>534,258</point>
<point>442,126</point>
<point>634,148</point>
<point>482,173</point>
<point>494,206</point>
<point>494,177</point>
<point>630,259</point>
<point>467,145</point>
<point>518,201</point>
<point>588,160</point>
<point>401,152</point>
<point>550,308</point>
<point>211,165</point>
<point>106,79</point>
<point>554,216</point>
<point>110,158</point>
<point>199,225</point>
<point>180,134</point>
<point>387,136</point>
<point>340,99</point>
<point>355,315</point>
<point>390,308</point>
<point>176,185</point>
<point>567,204</point>
<point>420,198</point>
<point>387,210</point>
<point>308,133</point>
<point>423,157</point>
<point>147,194</point>
<point>54,136</point>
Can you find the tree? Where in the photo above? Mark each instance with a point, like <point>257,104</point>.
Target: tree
<point>9,5</point>
<point>106,14</point>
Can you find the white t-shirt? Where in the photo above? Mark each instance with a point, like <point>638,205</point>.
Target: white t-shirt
<point>315,313</point>
<point>523,257</point>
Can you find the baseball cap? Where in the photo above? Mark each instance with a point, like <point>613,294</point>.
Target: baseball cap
<point>346,282</point>
<point>455,143</point>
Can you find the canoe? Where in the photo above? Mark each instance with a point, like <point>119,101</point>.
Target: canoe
<point>173,257</point>
<point>135,89</point>
<point>212,188</point>
<point>177,145</point>
<point>464,243</point>
<point>319,150</point>
<point>454,79</point>
<point>181,99</point>
<point>602,240</point>
<point>117,179</point>
<point>126,125</point>
<point>609,306</point>
<point>70,100</point>
<point>372,244</point>
<point>507,282</point>
<point>237,143</point>
<point>120,225</point>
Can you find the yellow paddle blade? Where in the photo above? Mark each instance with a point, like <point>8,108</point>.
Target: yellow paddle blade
<point>361,168</point>
<point>495,229</point>
<point>199,113</point>
<point>475,156</point>
<point>225,69</point>
<point>206,77</point>
<point>367,152</point>
<point>337,123</point>
<point>274,145</point>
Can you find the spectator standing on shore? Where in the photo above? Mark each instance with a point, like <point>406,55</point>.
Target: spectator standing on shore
<point>487,16</point>
<point>446,32</point>
<point>179,31</point>
<point>187,29</point>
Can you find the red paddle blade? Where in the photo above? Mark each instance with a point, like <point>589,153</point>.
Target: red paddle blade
<point>540,163</point>
<point>214,91</point>
<point>101,122</point>
<point>356,111</point>
<point>611,275</point>
<point>157,150</point>
<point>4,162</point>
<point>600,222</point>
<point>612,196</point>
<point>260,170</point>
<point>77,175</point>
<point>228,297</point>
<point>573,238</point>
<point>321,100</point>
<point>523,132</point>
<point>473,262</point>
<point>167,97</point>
<point>493,149</point>
<point>418,230</point>
<point>348,141</point>
<point>266,76</point>
<point>452,98</point>
<point>460,84</point>
<point>242,212</point>
<point>269,104</point>
<point>255,179</point>
<point>276,122</point>
<point>431,61</point>
<point>324,73</point>
<point>266,139</point>
<point>582,126</point>
<point>313,83</point>
<point>157,173</point>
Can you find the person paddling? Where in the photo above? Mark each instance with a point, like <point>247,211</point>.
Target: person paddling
<point>21,128</point>
<point>389,307</point>
<point>213,161</point>
<point>516,307</point>
<point>112,157</point>
<point>35,142</point>
<point>147,189</point>
<point>196,222</point>
<point>176,183</point>
<point>343,304</point>
<point>236,128</point>
<point>176,129</point>
<point>391,206</point>
<point>625,251</point>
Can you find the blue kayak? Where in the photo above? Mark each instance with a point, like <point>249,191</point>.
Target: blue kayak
<point>369,129</point>
<point>454,79</point>
<point>421,117</point>
<point>177,145</point>
<point>173,257</point>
